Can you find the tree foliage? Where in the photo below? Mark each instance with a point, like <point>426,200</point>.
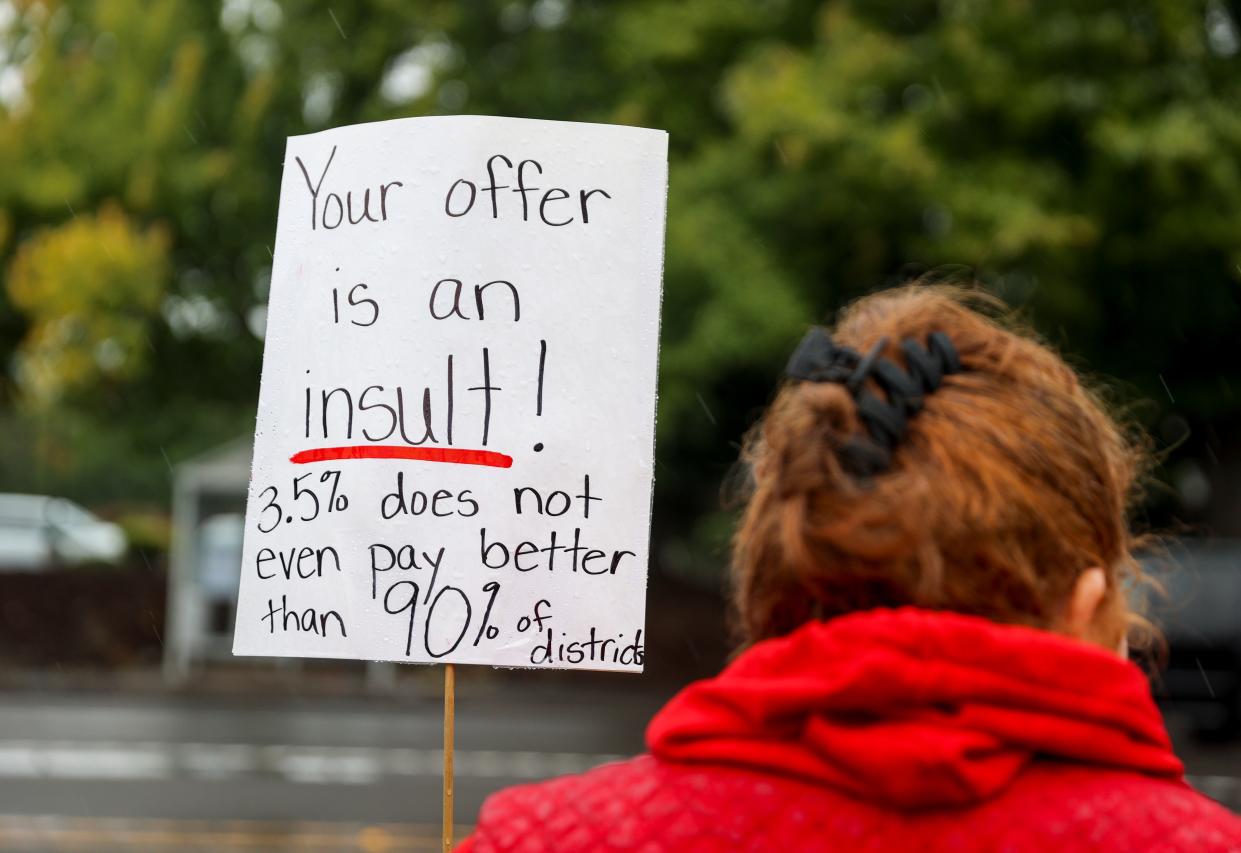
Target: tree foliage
<point>1083,159</point>
<point>87,288</point>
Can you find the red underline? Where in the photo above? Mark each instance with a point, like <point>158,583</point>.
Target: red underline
<point>451,455</point>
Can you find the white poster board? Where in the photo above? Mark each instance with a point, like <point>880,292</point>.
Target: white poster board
<point>454,450</point>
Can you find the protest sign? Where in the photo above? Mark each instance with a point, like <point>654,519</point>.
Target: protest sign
<point>454,448</point>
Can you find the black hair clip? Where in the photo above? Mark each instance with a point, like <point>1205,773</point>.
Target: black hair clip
<point>819,359</point>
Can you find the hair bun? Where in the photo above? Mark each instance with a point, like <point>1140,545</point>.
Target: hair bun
<point>819,359</point>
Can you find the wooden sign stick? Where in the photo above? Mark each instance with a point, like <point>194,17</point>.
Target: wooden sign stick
<point>449,720</point>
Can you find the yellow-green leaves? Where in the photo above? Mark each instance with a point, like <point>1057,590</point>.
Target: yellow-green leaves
<point>88,288</point>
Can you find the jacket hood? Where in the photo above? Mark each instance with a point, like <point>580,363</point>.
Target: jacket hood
<point>917,709</point>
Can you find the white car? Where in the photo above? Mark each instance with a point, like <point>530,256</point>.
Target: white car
<point>39,532</point>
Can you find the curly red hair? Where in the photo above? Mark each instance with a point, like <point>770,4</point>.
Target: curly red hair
<point>1009,483</point>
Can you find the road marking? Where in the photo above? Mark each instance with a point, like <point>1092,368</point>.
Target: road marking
<point>350,765</point>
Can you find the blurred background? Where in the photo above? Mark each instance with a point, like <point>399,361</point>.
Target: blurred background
<point>1082,160</point>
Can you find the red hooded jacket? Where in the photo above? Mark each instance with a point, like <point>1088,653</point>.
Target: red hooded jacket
<point>887,730</point>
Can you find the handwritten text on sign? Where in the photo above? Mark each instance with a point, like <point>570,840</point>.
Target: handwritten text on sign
<point>454,450</point>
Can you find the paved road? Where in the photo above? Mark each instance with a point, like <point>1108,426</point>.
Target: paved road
<point>92,772</point>
<point>119,773</point>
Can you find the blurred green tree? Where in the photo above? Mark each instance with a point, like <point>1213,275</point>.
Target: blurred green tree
<point>88,288</point>
<point>1082,159</point>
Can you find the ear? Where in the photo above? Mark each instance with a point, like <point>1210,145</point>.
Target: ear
<point>1080,611</point>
